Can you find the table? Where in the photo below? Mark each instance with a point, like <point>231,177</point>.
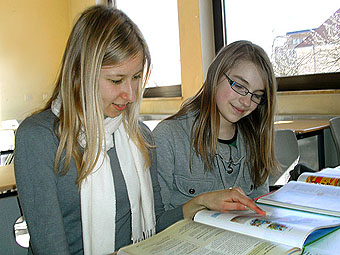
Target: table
<point>304,128</point>
<point>7,178</point>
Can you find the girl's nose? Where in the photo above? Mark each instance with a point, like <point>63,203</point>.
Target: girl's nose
<point>128,92</point>
<point>246,100</point>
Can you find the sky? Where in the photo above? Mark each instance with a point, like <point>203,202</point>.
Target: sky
<point>158,21</point>
<point>262,20</point>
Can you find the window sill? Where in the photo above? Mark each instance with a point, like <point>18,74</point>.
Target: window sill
<point>309,92</point>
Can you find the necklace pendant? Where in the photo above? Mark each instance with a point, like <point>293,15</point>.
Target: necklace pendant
<point>230,169</point>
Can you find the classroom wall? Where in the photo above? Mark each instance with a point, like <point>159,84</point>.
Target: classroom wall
<point>33,35</point>
<point>77,6</point>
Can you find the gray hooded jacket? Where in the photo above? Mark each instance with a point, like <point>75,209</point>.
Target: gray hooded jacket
<point>179,184</point>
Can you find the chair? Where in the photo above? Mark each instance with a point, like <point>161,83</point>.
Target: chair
<point>299,169</point>
<point>287,153</point>
<point>335,131</point>
<point>9,213</point>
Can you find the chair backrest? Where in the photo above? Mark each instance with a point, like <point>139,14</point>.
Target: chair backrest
<point>335,131</point>
<point>287,153</point>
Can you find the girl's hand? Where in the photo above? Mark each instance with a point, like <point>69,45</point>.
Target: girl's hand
<point>222,201</point>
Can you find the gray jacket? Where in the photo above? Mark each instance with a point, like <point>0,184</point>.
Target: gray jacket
<point>179,184</point>
<point>51,202</point>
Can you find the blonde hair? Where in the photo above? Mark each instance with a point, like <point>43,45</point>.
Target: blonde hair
<point>102,36</point>
<point>257,128</point>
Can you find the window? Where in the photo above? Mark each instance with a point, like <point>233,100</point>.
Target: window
<point>158,21</point>
<point>302,38</point>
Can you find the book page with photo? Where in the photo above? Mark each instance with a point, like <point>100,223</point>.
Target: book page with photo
<point>289,227</point>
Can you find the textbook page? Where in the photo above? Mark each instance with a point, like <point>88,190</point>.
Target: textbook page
<point>325,246</point>
<point>193,238</point>
<point>290,227</point>
<point>323,199</point>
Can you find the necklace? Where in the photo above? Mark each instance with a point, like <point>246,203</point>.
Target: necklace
<point>229,168</point>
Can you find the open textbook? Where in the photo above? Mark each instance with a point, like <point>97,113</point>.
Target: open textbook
<point>280,231</point>
<point>305,195</point>
<point>191,237</point>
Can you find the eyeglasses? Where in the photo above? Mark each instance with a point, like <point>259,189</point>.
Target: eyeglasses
<point>243,91</point>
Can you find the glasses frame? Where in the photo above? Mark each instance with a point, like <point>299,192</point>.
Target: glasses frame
<point>246,91</point>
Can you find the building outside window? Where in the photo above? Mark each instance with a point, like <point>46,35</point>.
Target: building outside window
<point>301,37</point>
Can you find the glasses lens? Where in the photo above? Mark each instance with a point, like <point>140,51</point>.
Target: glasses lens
<point>239,89</point>
<point>257,99</point>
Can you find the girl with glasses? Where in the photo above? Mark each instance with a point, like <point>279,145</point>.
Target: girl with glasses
<point>222,137</point>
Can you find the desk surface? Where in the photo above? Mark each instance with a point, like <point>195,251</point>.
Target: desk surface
<point>301,126</point>
<point>7,178</point>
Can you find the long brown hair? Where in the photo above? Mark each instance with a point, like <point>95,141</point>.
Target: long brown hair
<point>102,36</point>
<point>257,128</point>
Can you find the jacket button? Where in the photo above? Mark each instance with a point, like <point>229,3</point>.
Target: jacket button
<point>251,187</point>
<point>192,191</point>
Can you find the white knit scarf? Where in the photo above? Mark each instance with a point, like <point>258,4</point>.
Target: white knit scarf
<point>97,194</point>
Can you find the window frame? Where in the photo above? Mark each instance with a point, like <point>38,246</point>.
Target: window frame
<point>319,81</point>
<point>163,92</point>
